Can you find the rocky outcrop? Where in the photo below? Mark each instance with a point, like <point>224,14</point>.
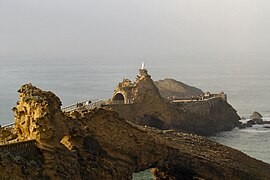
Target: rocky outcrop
<point>170,88</point>
<point>256,115</point>
<point>98,144</point>
<point>255,118</point>
<point>149,106</point>
<point>151,109</point>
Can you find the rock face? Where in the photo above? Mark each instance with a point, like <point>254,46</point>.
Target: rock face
<point>170,88</point>
<point>151,109</point>
<point>207,118</point>
<point>98,144</point>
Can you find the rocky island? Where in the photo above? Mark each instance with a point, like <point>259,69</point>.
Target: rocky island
<point>140,102</point>
<point>255,118</point>
<point>48,143</point>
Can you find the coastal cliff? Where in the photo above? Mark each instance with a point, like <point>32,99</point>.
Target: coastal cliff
<point>99,144</point>
<point>148,107</point>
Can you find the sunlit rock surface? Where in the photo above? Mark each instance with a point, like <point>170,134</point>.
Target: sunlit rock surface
<point>98,144</point>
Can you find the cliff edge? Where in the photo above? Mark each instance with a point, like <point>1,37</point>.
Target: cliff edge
<point>98,144</point>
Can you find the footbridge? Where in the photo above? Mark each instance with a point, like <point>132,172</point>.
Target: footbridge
<point>10,125</point>
<point>85,104</point>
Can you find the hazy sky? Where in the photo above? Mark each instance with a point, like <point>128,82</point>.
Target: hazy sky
<point>132,28</point>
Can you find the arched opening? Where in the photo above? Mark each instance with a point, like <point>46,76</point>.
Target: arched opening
<point>119,98</point>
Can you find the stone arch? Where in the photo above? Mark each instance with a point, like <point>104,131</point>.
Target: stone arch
<point>119,98</point>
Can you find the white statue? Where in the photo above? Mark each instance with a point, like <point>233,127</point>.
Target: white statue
<point>143,65</point>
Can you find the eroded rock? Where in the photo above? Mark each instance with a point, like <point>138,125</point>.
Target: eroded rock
<point>99,144</point>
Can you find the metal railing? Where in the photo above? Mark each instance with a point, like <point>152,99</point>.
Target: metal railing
<point>10,125</point>
<point>87,104</point>
<point>95,104</point>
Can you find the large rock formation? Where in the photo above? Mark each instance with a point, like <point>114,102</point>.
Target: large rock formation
<point>255,118</point>
<point>151,109</point>
<point>98,144</point>
<point>170,88</point>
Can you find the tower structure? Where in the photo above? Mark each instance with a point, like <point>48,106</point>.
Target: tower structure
<point>143,65</point>
<point>143,71</point>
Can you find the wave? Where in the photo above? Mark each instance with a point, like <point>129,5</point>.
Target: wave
<point>256,129</point>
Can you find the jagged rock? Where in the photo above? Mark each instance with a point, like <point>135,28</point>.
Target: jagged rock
<point>98,144</point>
<point>244,125</point>
<point>251,123</point>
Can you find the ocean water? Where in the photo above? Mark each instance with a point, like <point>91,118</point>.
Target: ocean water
<point>245,80</point>
<point>244,140</point>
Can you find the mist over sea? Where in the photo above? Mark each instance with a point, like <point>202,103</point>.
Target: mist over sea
<point>245,80</point>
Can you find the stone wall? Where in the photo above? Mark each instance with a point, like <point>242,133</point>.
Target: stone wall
<point>199,107</point>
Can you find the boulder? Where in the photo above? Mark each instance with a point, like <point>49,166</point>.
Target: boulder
<point>251,123</point>
<point>256,116</point>
<point>258,121</point>
<point>244,126</point>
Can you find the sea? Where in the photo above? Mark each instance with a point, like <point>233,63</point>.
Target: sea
<point>246,81</point>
